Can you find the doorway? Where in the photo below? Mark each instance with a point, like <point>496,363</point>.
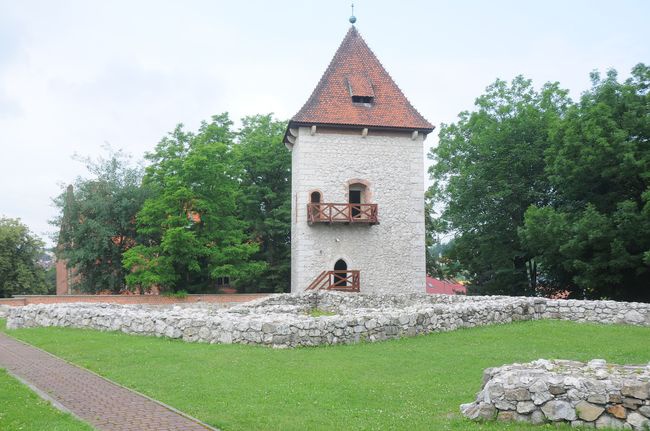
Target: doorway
<point>355,196</point>
<point>315,208</point>
<point>340,278</point>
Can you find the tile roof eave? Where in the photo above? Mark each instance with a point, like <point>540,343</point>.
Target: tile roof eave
<point>294,124</point>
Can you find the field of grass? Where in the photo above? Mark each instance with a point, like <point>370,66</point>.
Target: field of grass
<point>22,409</point>
<point>408,384</point>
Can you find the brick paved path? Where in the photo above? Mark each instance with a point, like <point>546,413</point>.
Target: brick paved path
<point>100,402</point>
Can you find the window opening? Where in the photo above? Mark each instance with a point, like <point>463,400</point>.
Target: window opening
<point>340,277</point>
<point>362,99</point>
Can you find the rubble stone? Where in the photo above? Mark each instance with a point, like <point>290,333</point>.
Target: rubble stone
<point>571,385</point>
<point>285,320</point>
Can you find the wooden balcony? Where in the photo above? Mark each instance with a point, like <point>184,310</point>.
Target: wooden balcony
<point>342,213</point>
<point>346,280</point>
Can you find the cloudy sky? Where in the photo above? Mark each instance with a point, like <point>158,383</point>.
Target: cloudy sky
<point>77,74</point>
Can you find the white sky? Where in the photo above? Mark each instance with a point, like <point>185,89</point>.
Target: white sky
<point>77,74</point>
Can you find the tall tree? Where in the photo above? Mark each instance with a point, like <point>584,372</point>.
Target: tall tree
<point>594,233</point>
<point>487,170</point>
<point>191,232</point>
<point>97,221</point>
<point>265,204</point>
<point>19,254</point>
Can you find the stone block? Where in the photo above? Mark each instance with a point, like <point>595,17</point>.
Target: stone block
<point>525,407</point>
<point>481,411</point>
<point>609,422</point>
<point>558,410</point>
<point>636,389</point>
<point>617,410</point>
<point>638,421</point>
<point>587,411</point>
<point>517,394</point>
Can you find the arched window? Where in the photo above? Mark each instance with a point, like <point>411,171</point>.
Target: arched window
<point>315,197</point>
<point>340,274</point>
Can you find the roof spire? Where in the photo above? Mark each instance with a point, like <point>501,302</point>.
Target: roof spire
<point>353,18</point>
<point>356,91</point>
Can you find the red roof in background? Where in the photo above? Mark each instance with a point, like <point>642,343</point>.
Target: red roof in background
<point>446,287</point>
<point>355,71</point>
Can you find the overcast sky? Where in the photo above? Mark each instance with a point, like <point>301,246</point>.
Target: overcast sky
<point>77,74</point>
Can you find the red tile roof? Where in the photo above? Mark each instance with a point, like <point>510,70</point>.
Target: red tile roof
<point>360,85</point>
<point>355,71</point>
<point>446,287</point>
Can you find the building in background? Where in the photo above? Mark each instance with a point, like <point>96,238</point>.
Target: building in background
<point>445,287</point>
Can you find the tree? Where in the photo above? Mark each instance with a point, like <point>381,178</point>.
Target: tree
<point>191,234</point>
<point>439,260</point>
<point>97,222</point>
<point>593,235</point>
<point>19,254</point>
<point>265,204</point>
<point>488,169</point>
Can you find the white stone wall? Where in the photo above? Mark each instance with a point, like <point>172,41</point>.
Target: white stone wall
<point>286,320</point>
<point>390,255</point>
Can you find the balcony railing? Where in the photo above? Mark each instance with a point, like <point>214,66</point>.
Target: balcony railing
<point>346,280</point>
<point>342,213</point>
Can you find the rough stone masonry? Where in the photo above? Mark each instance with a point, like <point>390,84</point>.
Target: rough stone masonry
<point>591,395</point>
<point>286,320</point>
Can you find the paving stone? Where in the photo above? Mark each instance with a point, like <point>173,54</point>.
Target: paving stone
<point>98,401</point>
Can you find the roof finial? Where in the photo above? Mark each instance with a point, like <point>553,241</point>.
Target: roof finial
<point>353,18</point>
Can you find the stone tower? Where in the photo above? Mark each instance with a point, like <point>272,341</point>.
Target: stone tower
<point>357,220</point>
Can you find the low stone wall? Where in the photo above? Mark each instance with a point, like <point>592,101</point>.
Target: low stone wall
<point>161,300</point>
<point>286,320</point>
<point>133,299</point>
<point>4,310</point>
<point>592,395</point>
<point>631,313</point>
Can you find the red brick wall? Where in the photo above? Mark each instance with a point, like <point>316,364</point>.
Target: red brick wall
<point>62,286</point>
<point>131,299</point>
<point>13,301</point>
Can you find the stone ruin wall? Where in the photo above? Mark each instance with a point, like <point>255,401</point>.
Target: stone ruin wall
<point>4,310</point>
<point>592,395</point>
<point>285,320</point>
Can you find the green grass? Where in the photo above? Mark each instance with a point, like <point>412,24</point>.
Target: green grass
<point>408,384</point>
<point>317,312</point>
<point>22,409</point>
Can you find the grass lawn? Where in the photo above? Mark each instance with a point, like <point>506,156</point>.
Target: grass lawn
<point>22,409</point>
<point>408,384</point>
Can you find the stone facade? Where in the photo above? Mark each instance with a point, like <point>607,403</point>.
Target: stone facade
<point>286,320</point>
<point>592,395</point>
<point>391,254</point>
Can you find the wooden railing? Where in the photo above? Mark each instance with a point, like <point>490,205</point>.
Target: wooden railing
<point>344,280</point>
<point>342,213</point>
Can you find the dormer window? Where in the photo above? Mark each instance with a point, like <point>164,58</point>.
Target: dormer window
<point>360,89</point>
<point>362,99</point>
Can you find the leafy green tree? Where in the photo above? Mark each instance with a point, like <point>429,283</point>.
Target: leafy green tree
<point>19,254</point>
<point>488,169</point>
<point>50,280</point>
<point>97,222</point>
<point>440,263</point>
<point>593,235</point>
<point>191,234</point>
<point>265,203</point>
